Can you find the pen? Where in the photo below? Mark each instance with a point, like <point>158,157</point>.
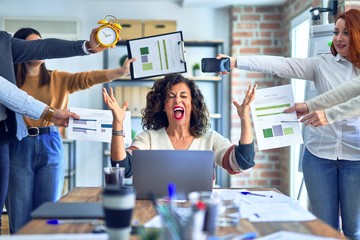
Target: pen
<point>172,195</point>
<point>255,194</point>
<point>69,221</point>
<point>246,236</point>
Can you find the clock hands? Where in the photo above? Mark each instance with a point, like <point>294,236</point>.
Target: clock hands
<point>106,35</point>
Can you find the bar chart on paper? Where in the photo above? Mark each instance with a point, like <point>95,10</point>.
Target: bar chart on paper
<point>95,125</point>
<point>273,127</point>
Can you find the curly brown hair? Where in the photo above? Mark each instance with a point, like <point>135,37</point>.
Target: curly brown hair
<point>352,20</point>
<point>154,116</point>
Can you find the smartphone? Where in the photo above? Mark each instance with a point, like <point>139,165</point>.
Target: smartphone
<point>215,65</point>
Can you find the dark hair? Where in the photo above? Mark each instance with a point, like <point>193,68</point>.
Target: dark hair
<point>154,116</point>
<point>352,24</point>
<point>20,69</point>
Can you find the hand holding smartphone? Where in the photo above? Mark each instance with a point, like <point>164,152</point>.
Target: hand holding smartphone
<point>215,65</point>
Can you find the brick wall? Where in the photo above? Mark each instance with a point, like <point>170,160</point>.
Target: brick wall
<point>262,31</point>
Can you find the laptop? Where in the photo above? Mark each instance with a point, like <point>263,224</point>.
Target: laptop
<point>69,210</point>
<point>189,170</point>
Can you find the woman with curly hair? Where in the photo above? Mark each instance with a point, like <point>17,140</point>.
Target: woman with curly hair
<point>176,117</point>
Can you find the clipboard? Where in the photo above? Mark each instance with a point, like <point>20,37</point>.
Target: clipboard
<point>157,55</point>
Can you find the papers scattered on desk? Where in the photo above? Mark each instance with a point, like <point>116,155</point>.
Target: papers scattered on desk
<point>275,212</point>
<point>267,206</point>
<point>285,235</point>
<point>78,236</point>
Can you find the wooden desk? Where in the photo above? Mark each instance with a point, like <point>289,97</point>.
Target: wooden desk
<point>144,212</point>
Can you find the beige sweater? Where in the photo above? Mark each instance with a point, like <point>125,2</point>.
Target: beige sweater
<point>56,94</point>
<point>340,103</point>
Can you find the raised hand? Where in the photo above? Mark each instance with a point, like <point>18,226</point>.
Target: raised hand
<point>243,110</point>
<point>117,111</point>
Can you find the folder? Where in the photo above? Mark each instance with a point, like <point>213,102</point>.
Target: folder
<point>157,55</point>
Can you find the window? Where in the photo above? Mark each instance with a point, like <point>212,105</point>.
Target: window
<point>300,29</point>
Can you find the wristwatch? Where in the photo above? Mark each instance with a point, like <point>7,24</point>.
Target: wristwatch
<point>49,114</point>
<point>118,133</point>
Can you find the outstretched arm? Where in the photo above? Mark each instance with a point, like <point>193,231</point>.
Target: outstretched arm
<point>315,119</point>
<point>243,111</point>
<point>117,152</point>
<point>122,71</point>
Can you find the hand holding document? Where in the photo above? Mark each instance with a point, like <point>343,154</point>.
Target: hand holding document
<point>273,127</point>
<point>96,125</point>
<point>157,55</point>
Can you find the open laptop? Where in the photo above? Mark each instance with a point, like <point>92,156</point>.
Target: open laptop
<point>189,170</point>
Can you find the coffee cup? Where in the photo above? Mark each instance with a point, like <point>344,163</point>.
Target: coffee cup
<point>114,176</point>
<point>118,204</point>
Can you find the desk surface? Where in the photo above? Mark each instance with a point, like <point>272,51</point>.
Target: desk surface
<point>144,211</point>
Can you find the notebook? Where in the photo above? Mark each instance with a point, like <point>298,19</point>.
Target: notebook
<point>189,170</point>
<point>69,210</point>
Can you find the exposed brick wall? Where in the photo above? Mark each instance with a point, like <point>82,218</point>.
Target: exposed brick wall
<point>262,31</point>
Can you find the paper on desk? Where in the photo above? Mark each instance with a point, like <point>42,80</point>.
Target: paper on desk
<point>96,125</point>
<point>156,222</point>
<point>275,212</point>
<point>286,235</point>
<point>272,196</point>
<point>271,206</point>
<point>77,236</point>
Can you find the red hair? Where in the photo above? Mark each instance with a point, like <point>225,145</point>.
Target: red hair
<point>352,24</point>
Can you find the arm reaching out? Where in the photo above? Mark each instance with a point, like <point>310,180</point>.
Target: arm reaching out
<point>315,119</point>
<point>117,152</point>
<point>243,111</point>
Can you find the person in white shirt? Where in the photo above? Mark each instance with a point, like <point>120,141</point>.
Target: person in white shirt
<point>331,161</point>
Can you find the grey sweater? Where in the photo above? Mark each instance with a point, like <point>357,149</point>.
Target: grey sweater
<point>339,103</point>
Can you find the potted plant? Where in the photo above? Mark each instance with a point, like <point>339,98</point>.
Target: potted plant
<point>196,69</point>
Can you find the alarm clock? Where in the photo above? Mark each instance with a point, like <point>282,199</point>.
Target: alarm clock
<point>108,33</point>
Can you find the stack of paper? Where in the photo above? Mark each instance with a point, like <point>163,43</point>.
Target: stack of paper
<point>286,235</point>
<point>268,206</point>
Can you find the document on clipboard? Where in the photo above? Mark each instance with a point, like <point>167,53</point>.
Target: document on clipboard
<point>157,55</point>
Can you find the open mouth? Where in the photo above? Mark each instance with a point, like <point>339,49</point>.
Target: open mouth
<point>178,112</point>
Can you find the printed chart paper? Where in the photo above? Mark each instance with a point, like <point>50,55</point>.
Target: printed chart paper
<point>96,125</point>
<point>157,55</point>
<point>273,127</point>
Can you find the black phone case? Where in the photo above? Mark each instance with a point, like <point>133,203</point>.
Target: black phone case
<point>214,65</point>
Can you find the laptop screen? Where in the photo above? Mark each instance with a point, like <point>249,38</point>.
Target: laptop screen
<point>189,170</point>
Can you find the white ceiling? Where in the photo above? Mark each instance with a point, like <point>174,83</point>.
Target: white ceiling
<point>224,3</point>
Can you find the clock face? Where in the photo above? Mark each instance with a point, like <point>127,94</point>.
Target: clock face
<point>107,36</point>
